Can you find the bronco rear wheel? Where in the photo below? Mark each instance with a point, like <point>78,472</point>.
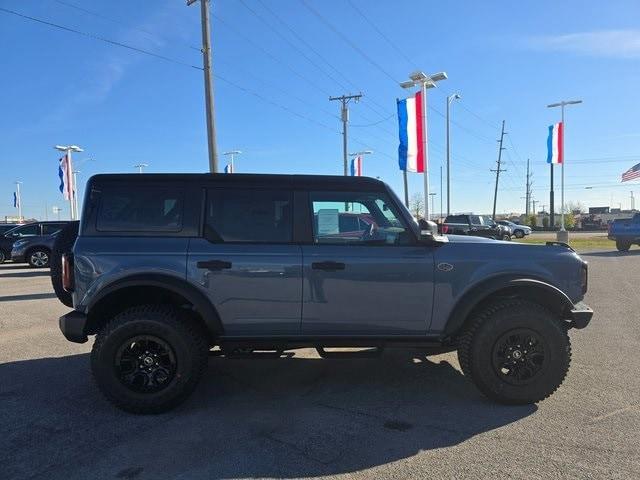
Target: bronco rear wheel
<point>149,358</point>
<point>516,352</point>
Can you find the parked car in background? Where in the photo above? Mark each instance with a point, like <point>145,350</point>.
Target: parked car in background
<point>517,230</point>
<point>625,232</point>
<point>36,250</point>
<point>35,229</point>
<point>475,225</point>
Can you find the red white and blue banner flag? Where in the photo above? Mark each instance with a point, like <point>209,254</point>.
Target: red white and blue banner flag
<point>65,172</point>
<point>412,155</point>
<point>555,143</point>
<point>631,174</point>
<point>16,200</point>
<point>228,168</point>
<point>356,166</point>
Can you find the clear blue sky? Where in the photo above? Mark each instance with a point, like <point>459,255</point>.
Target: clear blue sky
<point>507,60</point>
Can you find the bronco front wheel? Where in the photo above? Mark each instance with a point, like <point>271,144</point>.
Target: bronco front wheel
<point>149,358</point>
<point>516,352</point>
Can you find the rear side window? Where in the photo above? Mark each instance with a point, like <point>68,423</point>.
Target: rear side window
<point>249,216</point>
<point>49,228</point>
<point>140,209</point>
<point>26,231</point>
<point>456,219</point>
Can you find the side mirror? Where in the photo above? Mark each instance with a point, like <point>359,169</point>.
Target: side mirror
<point>429,232</point>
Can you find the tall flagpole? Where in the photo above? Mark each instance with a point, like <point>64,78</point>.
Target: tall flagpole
<point>427,213</point>
<point>19,201</point>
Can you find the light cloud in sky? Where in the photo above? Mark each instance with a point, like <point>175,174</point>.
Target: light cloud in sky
<point>602,43</point>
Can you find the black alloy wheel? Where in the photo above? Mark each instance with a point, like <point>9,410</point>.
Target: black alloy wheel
<point>145,364</point>
<point>518,356</point>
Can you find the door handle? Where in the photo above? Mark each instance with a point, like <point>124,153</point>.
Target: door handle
<point>214,264</point>
<point>328,266</point>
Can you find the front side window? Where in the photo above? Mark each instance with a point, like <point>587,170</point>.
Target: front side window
<point>26,231</point>
<point>357,218</point>
<point>140,209</point>
<point>249,216</point>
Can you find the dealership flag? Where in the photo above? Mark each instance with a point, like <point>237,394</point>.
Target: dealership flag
<point>16,200</point>
<point>65,172</point>
<point>228,168</point>
<point>555,143</point>
<point>632,173</point>
<point>412,156</point>
<point>356,166</point>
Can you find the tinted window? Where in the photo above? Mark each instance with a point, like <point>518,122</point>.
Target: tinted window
<point>140,209</point>
<point>255,216</point>
<point>475,220</point>
<point>456,219</point>
<point>357,218</point>
<point>6,228</point>
<point>26,231</point>
<point>49,228</point>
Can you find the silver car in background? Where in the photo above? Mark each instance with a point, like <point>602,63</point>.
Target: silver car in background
<point>518,231</point>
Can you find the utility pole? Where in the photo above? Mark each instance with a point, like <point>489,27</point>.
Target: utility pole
<point>344,115</point>
<point>528,190</point>
<point>633,202</point>
<point>534,205</point>
<point>498,170</point>
<point>208,83</point>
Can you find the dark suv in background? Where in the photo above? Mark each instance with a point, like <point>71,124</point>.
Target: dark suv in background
<point>166,268</point>
<point>34,229</point>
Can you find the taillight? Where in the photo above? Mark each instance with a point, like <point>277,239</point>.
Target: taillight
<point>67,272</point>
<point>445,228</point>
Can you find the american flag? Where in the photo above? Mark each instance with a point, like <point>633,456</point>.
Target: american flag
<point>632,173</point>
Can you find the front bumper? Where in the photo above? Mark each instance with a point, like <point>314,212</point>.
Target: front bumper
<point>581,315</point>
<point>72,326</point>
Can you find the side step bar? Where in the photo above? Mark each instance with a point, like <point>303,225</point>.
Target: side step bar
<point>373,352</point>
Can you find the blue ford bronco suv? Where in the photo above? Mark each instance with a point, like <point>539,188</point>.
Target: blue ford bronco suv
<point>166,269</point>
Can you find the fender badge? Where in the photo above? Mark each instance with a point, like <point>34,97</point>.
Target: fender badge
<point>445,267</point>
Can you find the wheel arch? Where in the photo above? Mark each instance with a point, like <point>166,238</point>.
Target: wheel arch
<point>532,289</point>
<point>154,288</point>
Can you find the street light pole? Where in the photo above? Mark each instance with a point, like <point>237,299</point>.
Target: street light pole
<point>140,167</point>
<point>450,100</point>
<point>232,154</point>
<point>425,81</point>
<point>562,235</point>
<point>361,154</point>
<point>208,83</point>
<point>75,194</point>
<point>432,195</point>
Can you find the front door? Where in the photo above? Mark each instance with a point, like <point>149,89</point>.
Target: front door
<point>365,273</point>
<point>246,261</point>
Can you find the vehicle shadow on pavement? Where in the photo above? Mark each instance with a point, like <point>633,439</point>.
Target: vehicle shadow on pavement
<point>32,273</point>
<point>613,253</point>
<point>26,296</point>
<point>289,417</point>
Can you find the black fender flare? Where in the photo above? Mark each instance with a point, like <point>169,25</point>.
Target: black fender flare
<point>531,288</point>
<point>200,302</point>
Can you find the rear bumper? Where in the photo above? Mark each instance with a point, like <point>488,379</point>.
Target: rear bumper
<point>72,326</point>
<point>581,315</point>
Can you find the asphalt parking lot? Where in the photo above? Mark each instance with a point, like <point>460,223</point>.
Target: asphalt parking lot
<point>401,416</point>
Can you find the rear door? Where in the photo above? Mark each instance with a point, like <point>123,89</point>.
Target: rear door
<point>247,262</point>
<point>376,280</point>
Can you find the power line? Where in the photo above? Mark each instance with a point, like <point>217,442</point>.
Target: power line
<point>118,22</point>
<point>381,33</point>
<point>346,39</point>
<point>99,38</point>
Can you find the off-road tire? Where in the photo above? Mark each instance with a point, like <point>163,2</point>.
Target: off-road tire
<point>63,244</point>
<point>623,246</point>
<point>487,327</point>
<point>170,325</point>
<point>519,234</point>
<point>37,255</point>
